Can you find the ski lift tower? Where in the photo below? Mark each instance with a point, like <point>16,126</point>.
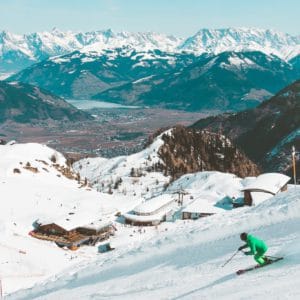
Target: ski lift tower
<point>181,193</point>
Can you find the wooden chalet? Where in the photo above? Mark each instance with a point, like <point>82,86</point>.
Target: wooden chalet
<point>66,235</point>
<point>264,187</point>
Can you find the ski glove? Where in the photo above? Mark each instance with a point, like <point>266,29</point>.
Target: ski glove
<point>243,247</point>
<point>248,253</point>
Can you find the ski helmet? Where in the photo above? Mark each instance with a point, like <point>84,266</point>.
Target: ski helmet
<point>243,236</point>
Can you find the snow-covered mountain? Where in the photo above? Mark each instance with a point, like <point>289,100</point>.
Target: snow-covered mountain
<point>158,262</point>
<point>172,154</point>
<point>226,81</point>
<point>82,74</point>
<point>243,39</point>
<point>20,51</point>
<point>37,183</point>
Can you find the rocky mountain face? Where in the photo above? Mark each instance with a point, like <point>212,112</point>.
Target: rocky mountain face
<point>20,51</point>
<point>81,75</point>
<point>189,150</point>
<point>24,103</point>
<point>227,81</point>
<point>267,132</point>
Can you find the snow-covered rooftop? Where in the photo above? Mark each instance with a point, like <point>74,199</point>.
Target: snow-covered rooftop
<point>268,182</point>
<point>154,204</point>
<point>203,205</point>
<point>153,218</point>
<point>79,219</point>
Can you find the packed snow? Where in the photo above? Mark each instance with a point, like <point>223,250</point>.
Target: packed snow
<point>41,192</point>
<point>185,262</point>
<point>178,259</point>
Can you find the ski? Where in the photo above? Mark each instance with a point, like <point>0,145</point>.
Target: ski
<point>271,261</point>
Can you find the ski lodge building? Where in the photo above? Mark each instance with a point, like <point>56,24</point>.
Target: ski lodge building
<point>68,232</point>
<point>151,212</point>
<point>264,187</point>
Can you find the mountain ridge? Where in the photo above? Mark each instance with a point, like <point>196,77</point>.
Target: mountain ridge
<point>82,75</point>
<point>20,51</point>
<point>226,81</point>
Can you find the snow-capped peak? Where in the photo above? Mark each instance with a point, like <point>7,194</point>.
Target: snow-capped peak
<point>58,42</point>
<point>19,51</point>
<point>241,39</point>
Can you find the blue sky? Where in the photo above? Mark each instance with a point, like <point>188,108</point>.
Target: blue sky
<point>178,17</point>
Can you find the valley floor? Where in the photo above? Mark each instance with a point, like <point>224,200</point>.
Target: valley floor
<point>114,131</point>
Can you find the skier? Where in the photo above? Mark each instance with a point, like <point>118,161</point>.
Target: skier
<point>257,248</point>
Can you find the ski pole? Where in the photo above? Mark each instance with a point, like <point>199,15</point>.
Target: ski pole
<point>234,254</point>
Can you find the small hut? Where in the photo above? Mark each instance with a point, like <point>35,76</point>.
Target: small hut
<point>264,187</point>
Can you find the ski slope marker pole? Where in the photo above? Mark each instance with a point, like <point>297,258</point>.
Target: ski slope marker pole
<point>233,255</point>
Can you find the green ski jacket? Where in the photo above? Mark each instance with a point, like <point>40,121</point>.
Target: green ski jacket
<point>256,245</point>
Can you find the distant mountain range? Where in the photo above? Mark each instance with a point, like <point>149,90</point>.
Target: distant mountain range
<point>267,132</point>
<point>224,69</point>
<point>82,75</point>
<point>24,103</point>
<point>217,41</point>
<point>20,51</point>
<point>226,81</point>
